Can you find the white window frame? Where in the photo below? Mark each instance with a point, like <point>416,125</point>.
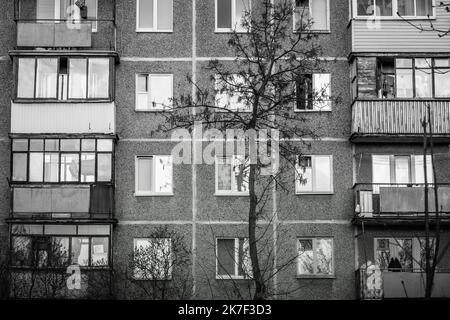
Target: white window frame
<point>155,19</point>
<point>149,92</point>
<point>149,240</point>
<point>137,192</point>
<point>298,168</point>
<point>394,15</point>
<point>233,181</point>
<point>329,106</point>
<point>236,260</point>
<point>311,30</point>
<point>314,241</point>
<point>234,24</point>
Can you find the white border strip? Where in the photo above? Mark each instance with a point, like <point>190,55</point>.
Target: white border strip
<point>228,222</point>
<point>190,59</point>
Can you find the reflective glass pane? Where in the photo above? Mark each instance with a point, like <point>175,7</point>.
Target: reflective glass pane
<point>99,251</point>
<point>319,12</point>
<point>441,83</point>
<point>405,7</point>
<point>324,256</point>
<point>365,7</point>
<point>36,166</point>
<point>424,8</point>
<point>305,257</point>
<point>163,174</point>
<point>51,145</point>
<point>98,78</point>
<point>80,251</point>
<point>223,175</point>
<point>69,167</point>
<point>19,167</point>
<point>77,78</point>
<point>46,75</point>
<point>25,83</point>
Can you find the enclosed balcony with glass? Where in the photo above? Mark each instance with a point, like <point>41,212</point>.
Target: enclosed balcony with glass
<point>66,24</point>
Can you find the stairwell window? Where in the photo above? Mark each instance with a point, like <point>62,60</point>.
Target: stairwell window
<point>154,92</point>
<point>312,15</point>
<point>152,259</point>
<point>153,176</point>
<point>313,92</point>
<point>233,258</point>
<point>154,16</point>
<point>232,175</point>
<point>315,257</point>
<point>230,15</point>
<point>314,174</point>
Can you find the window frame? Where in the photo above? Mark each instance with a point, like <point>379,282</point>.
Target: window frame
<point>394,15</point>
<point>236,275</point>
<point>66,91</point>
<point>171,257</point>
<point>232,180</point>
<point>324,31</point>
<point>69,236</point>
<point>233,19</point>
<point>149,92</point>
<point>60,152</point>
<point>155,20</point>
<point>314,274</point>
<point>329,101</point>
<point>297,166</point>
<point>152,193</point>
<point>247,106</point>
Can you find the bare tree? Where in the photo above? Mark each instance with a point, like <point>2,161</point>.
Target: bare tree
<point>430,26</point>
<point>258,92</point>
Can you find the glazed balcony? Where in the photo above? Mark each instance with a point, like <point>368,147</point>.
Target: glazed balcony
<point>385,120</point>
<point>399,203</point>
<point>403,284</point>
<point>50,25</point>
<point>50,202</point>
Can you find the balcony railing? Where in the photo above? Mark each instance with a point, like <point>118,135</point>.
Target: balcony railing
<point>399,117</point>
<point>394,285</point>
<point>95,201</point>
<point>399,200</point>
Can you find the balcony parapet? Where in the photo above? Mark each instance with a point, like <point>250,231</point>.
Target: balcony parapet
<point>387,119</point>
<point>400,202</point>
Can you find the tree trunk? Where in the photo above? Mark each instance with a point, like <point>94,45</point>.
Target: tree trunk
<point>260,286</point>
<point>427,226</point>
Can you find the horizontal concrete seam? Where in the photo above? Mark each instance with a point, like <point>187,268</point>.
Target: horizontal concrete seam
<point>4,58</point>
<point>324,139</point>
<point>227,222</point>
<point>189,59</point>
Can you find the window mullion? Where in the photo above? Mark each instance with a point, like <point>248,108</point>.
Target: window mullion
<point>314,256</point>
<point>236,256</point>
<point>149,91</point>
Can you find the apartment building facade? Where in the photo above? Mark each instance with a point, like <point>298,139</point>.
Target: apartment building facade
<point>89,176</point>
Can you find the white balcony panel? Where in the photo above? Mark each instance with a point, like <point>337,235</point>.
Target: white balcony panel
<point>63,117</point>
<point>396,35</point>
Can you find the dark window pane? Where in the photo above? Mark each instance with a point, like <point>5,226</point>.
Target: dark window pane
<point>19,167</point>
<point>225,257</point>
<point>424,8</point>
<point>104,167</point>
<point>224,13</point>
<point>365,7</point>
<point>60,252</point>
<point>21,253</point>
<point>384,7</point>
<point>70,145</point>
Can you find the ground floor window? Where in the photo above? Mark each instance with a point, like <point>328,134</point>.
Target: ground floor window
<point>315,257</point>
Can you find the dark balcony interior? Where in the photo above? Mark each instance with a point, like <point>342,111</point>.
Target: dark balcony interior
<point>401,284</point>
<point>400,202</point>
<point>85,202</point>
<point>57,28</point>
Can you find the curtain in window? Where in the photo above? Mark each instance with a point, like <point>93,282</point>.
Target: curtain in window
<point>46,78</point>
<point>319,12</point>
<point>145,14</point>
<point>25,84</point>
<point>164,11</point>
<point>144,174</point>
<point>98,78</point>
<point>77,78</point>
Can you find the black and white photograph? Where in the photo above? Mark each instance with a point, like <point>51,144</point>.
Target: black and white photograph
<point>247,152</point>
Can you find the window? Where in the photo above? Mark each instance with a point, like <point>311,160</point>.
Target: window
<point>402,254</point>
<point>312,15</point>
<point>314,174</point>
<point>154,91</point>
<point>154,16</point>
<point>233,259</point>
<point>152,258</point>
<point>50,246</point>
<point>62,160</point>
<point>315,257</point>
<point>232,175</point>
<point>415,8</point>
<point>59,10</point>
<point>63,78</point>
<point>374,8</point>
<point>153,175</point>
<point>402,170</point>
<point>231,15</point>
<point>231,93</point>
<point>313,92</point>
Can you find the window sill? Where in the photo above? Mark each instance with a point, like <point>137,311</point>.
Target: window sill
<point>152,31</point>
<point>153,110</point>
<point>314,276</point>
<point>312,111</point>
<point>229,31</point>
<point>230,277</point>
<point>231,194</point>
<point>314,32</point>
<point>392,18</point>
<point>153,194</point>
<point>314,193</point>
